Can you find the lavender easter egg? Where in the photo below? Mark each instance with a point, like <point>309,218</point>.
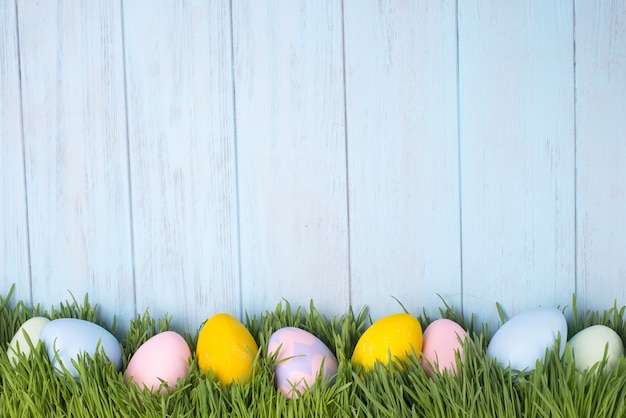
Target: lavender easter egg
<point>163,358</point>
<point>442,340</point>
<point>67,338</point>
<point>523,340</point>
<point>300,357</point>
<point>31,329</point>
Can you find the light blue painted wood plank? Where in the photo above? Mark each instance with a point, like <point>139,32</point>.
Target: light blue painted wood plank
<point>291,154</point>
<point>14,262</point>
<point>182,158</point>
<point>76,160</point>
<point>403,155</point>
<point>601,153</point>
<point>517,155</point>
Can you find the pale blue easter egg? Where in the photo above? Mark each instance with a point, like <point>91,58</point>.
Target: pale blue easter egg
<point>300,358</point>
<point>67,338</point>
<point>524,339</point>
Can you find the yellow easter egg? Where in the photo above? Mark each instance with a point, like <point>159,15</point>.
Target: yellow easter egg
<point>393,337</point>
<point>226,347</point>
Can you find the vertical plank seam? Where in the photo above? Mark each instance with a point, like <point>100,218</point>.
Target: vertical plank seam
<point>575,149</point>
<point>236,162</point>
<point>459,159</point>
<point>346,150</point>
<point>128,162</point>
<point>23,143</point>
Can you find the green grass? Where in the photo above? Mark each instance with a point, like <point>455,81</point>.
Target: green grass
<point>480,389</point>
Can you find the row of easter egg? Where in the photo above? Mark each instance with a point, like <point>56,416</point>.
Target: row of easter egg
<point>227,349</point>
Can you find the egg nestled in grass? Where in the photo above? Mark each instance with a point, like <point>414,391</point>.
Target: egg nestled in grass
<point>442,342</point>
<point>226,347</point>
<point>523,340</point>
<point>29,330</point>
<point>392,338</point>
<point>588,347</point>
<point>67,339</point>
<point>163,359</point>
<point>300,358</point>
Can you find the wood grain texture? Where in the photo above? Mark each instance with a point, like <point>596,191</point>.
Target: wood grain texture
<point>215,156</point>
<point>14,262</point>
<point>182,158</point>
<point>401,101</point>
<point>76,160</point>
<point>601,153</point>
<point>517,155</point>
<point>291,154</point>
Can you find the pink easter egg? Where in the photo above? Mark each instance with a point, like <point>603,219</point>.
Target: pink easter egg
<point>164,357</point>
<point>440,342</point>
<point>300,357</point>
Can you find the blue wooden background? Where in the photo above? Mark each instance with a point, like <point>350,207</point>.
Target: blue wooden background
<point>194,157</point>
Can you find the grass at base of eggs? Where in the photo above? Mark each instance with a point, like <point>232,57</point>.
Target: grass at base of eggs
<point>481,387</point>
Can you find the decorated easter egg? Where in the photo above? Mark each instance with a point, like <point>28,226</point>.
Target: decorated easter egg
<point>300,358</point>
<point>442,339</point>
<point>19,344</point>
<point>227,348</point>
<point>393,337</point>
<point>588,347</point>
<point>67,338</point>
<point>164,358</point>
<point>524,339</point>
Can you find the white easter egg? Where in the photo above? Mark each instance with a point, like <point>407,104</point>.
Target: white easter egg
<point>31,328</point>
<point>524,339</point>
<point>588,347</point>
